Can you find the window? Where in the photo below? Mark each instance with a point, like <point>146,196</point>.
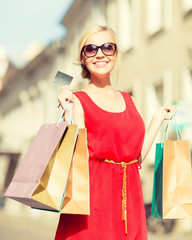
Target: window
<point>128,23</point>
<point>154,16</point>
<point>111,14</point>
<point>158,16</point>
<point>125,32</point>
<point>187,5</point>
<point>154,101</point>
<point>184,106</point>
<point>158,93</point>
<point>155,96</point>
<point>187,85</point>
<point>98,13</point>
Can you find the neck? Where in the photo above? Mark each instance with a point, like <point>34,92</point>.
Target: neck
<point>100,81</point>
<point>100,88</point>
<point>100,84</point>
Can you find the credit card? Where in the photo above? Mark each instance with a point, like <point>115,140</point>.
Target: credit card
<point>62,79</point>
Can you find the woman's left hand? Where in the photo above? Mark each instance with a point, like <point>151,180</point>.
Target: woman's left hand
<point>163,113</point>
<point>167,112</point>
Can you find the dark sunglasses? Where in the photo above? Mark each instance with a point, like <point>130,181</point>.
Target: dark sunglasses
<point>91,50</point>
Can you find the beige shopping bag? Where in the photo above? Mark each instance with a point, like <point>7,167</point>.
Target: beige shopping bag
<point>177,180</point>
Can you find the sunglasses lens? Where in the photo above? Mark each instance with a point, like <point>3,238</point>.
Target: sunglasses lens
<point>109,48</point>
<point>90,50</point>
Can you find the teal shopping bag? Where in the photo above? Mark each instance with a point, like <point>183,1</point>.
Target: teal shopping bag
<point>157,197</point>
<point>156,208</point>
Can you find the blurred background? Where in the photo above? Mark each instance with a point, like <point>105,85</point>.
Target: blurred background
<point>38,38</point>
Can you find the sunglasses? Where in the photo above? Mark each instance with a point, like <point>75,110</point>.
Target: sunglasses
<point>108,49</point>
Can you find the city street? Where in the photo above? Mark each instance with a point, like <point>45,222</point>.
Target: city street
<point>23,228</point>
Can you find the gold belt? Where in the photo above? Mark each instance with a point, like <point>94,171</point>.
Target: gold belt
<point>124,188</point>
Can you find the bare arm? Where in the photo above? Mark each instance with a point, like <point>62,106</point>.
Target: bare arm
<point>78,113</point>
<point>162,114</point>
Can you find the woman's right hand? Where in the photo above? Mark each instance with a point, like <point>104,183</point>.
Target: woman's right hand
<point>65,95</point>
<point>78,114</point>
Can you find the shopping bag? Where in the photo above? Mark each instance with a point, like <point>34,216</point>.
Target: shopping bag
<point>41,178</point>
<point>52,145</point>
<point>172,184</point>
<point>77,197</point>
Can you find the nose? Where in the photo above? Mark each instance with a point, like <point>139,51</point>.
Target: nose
<point>99,53</point>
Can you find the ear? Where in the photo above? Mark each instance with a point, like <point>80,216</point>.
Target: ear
<point>116,57</point>
<point>83,60</point>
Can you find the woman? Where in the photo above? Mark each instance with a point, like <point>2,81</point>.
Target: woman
<point>117,144</point>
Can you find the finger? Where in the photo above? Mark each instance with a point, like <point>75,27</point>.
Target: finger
<point>62,103</point>
<point>171,111</point>
<point>64,87</point>
<point>65,94</point>
<point>64,98</point>
<point>71,98</point>
<point>65,91</point>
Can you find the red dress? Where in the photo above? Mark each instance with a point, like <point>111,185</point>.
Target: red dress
<point>118,137</point>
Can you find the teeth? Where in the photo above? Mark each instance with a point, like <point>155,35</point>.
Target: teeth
<point>100,63</point>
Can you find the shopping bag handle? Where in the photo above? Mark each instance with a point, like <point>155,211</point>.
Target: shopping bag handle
<point>178,131</point>
<point>70,117</point>
<point>70,120</point>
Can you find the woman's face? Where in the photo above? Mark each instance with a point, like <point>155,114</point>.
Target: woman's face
<point>100,65</point>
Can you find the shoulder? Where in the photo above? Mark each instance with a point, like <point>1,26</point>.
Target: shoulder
<point>128,95</point>
<point>77,101</point>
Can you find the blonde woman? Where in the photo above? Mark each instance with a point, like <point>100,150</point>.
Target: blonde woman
<point>117,144</point>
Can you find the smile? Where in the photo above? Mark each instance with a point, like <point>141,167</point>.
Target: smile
<point>101,63</point>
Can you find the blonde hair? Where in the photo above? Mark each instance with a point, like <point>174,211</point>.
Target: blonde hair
<point>90,31</point>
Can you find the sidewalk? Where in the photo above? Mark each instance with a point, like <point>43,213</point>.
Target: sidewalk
<point>170,237</point>
<point>24,228</point>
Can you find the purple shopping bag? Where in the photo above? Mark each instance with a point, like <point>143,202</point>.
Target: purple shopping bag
<point>33,183</point>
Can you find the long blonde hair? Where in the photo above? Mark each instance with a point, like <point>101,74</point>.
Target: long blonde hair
<point>90,31</point>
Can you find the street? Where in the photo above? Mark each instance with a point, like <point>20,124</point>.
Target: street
<point>24,228</point>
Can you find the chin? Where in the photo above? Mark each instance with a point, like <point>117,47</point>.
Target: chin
<point>101,71</point>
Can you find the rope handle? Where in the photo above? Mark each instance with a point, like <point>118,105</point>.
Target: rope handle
<point>70,120</point>
<point>178,131</point>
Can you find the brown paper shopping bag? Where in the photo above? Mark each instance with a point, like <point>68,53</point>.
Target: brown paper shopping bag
<point>52,184</point>
<point>172,185</point>
<point>177,185</point>
<point>76,198</point>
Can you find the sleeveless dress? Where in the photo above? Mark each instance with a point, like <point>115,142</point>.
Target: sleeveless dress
<point>118,137</point>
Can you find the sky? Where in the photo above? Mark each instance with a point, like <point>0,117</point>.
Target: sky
<point>25,22</point>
